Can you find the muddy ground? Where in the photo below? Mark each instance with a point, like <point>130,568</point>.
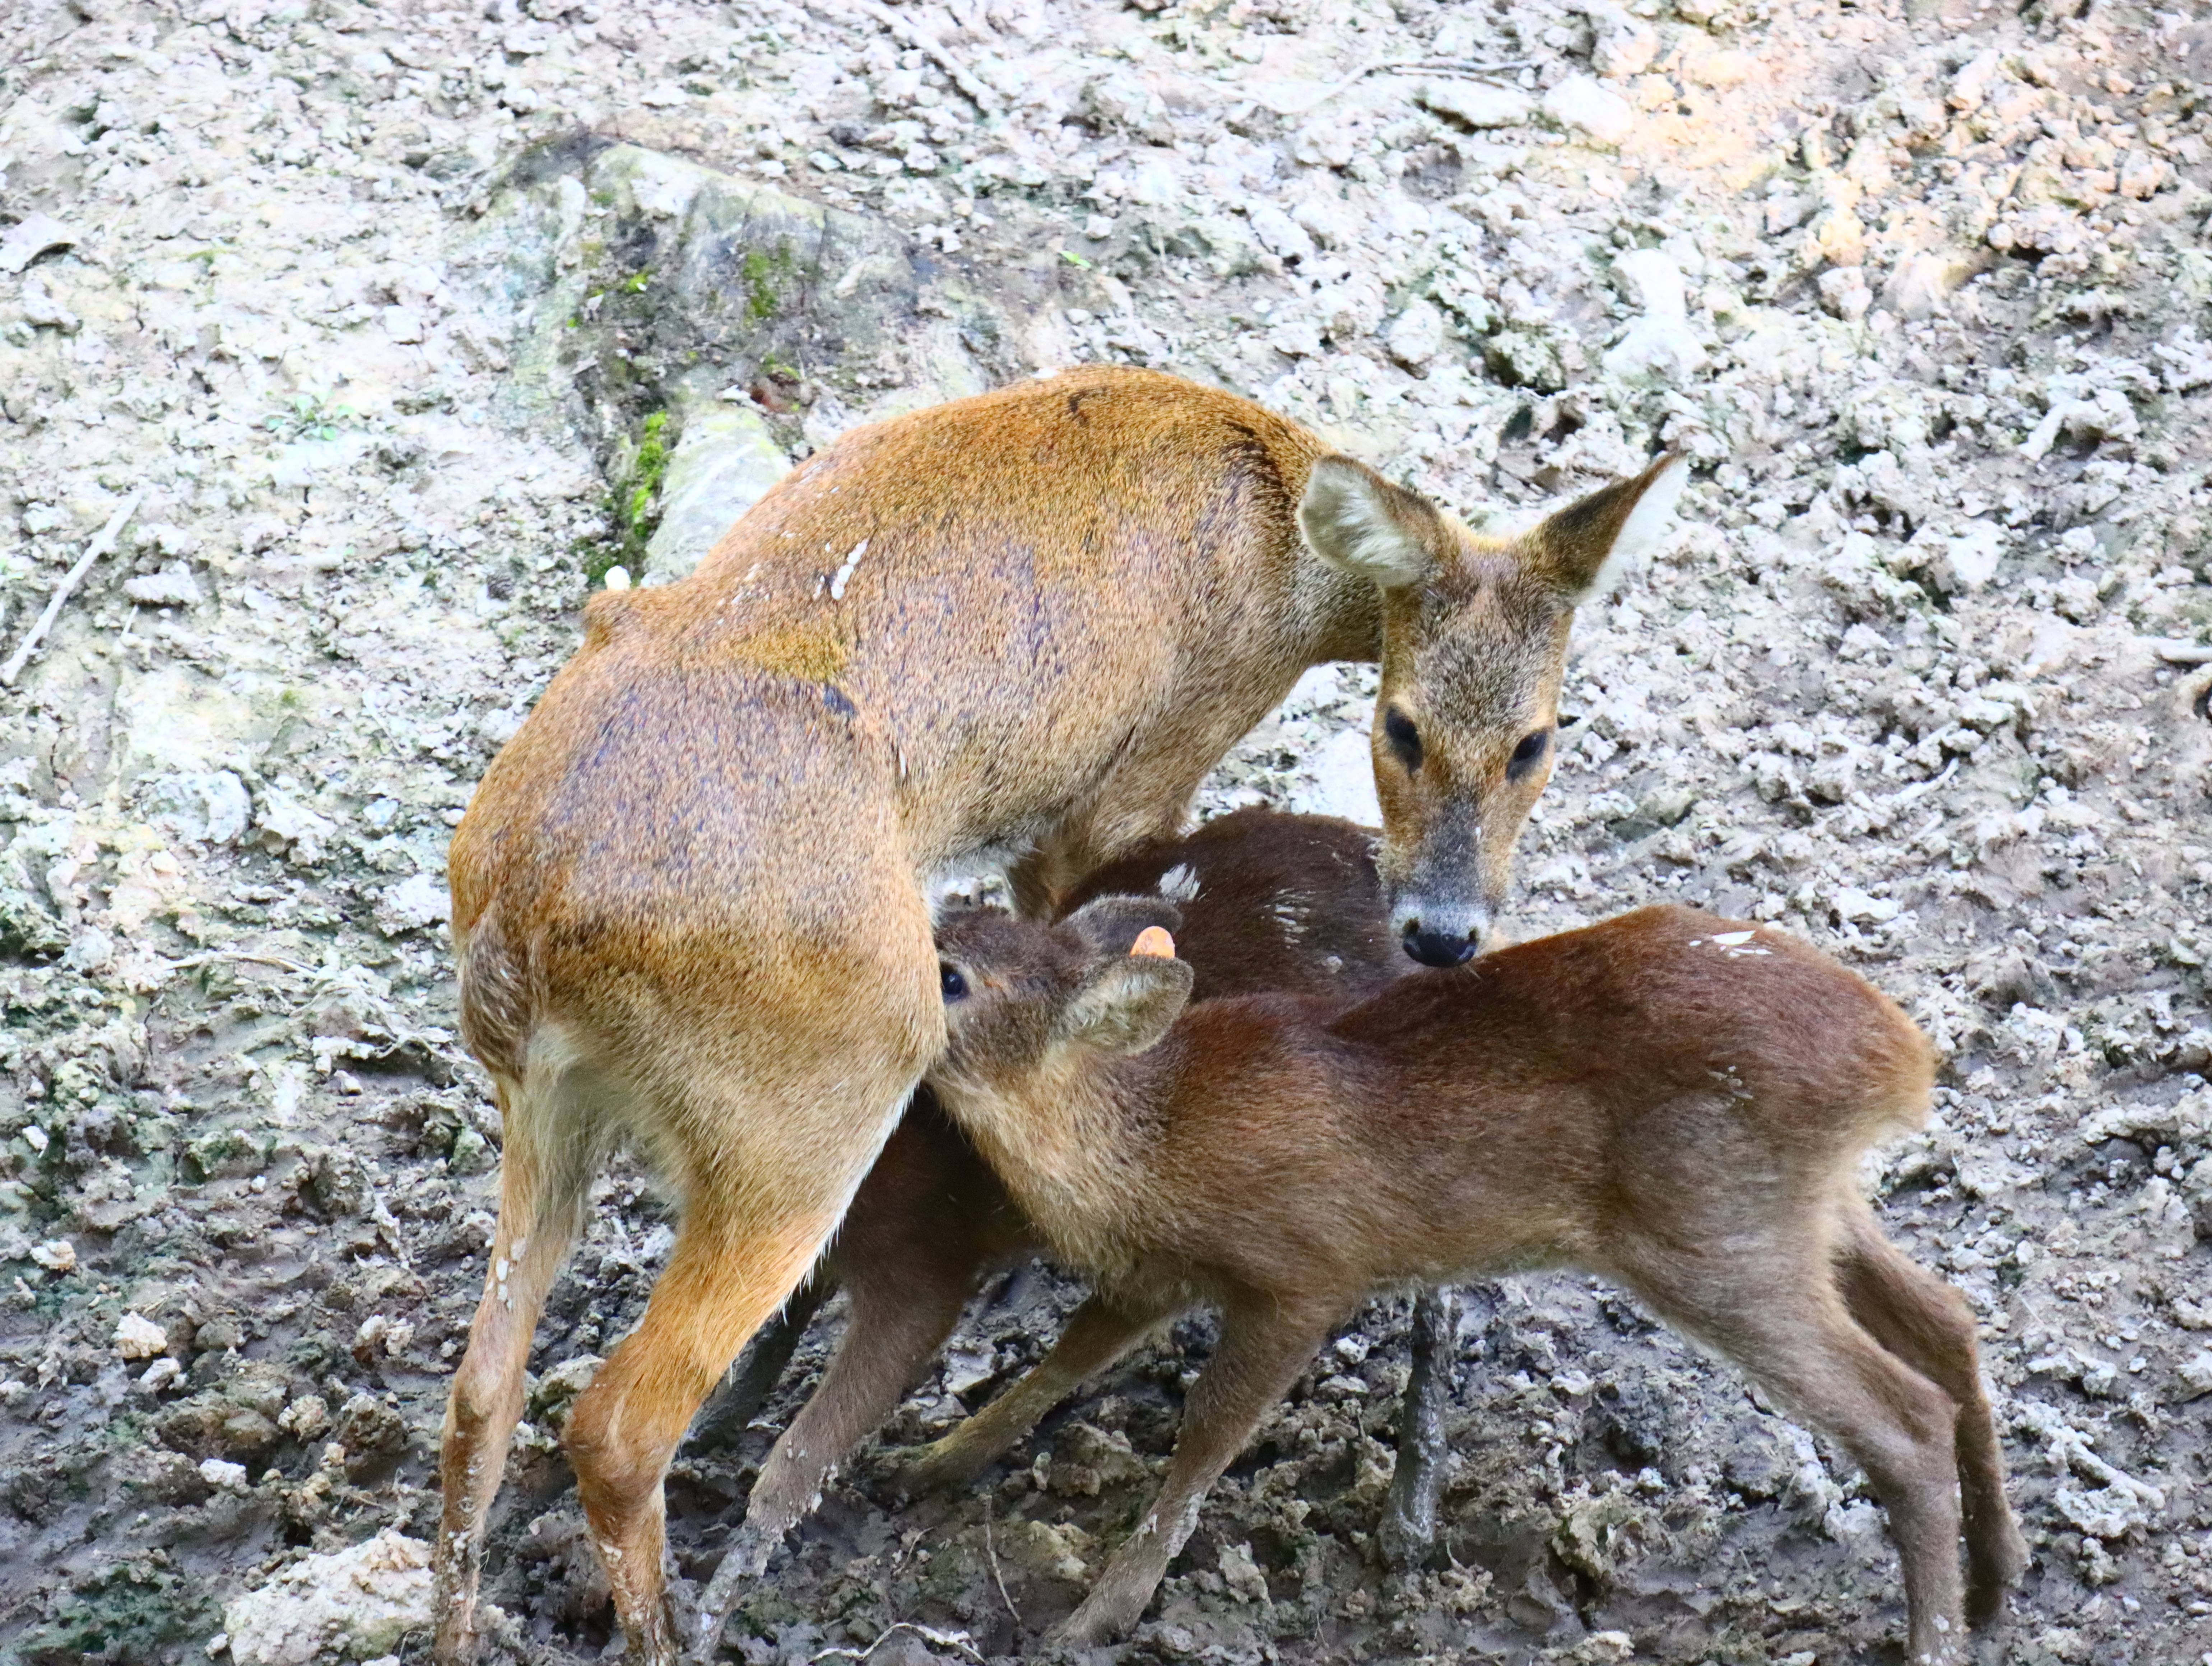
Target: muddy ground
<point>395,327</point>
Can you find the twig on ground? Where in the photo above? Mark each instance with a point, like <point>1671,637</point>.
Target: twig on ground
<point>991,1551</point>
<point>928,1634</point>
<point>102,542</point>
<point>1467,67</point>
<point>215,957</point>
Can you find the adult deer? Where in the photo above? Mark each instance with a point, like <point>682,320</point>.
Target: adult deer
<point>690,898</point>
<point>1675,1101</point>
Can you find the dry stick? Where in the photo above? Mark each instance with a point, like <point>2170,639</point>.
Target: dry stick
<point>1452,66</point>
<point>991,1550</point>
<point>928,1634</point>
<point>102,544</point>
<point>221,954</point>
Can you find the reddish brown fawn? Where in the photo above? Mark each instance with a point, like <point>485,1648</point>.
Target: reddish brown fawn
<point>1269,902</point>
<point>1670,1100</point>
<point>690,898</point>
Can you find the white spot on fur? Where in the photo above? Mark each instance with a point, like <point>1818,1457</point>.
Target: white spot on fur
<point>1179,883</point>
<point>1647,522</point>
<point>843,574</point>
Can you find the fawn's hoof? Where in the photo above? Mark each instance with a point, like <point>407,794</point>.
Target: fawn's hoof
<point>1103,1617</point>
<point>941,1466</point>
<point>1990,1576</point>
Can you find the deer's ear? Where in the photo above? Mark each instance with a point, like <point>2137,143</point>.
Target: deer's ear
<point>1355,519</point>
<point>1588,546</point>
<point>1128,1003</point>
<point>1110,925</point>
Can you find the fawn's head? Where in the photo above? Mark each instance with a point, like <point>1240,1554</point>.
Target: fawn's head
<point>1475,643</point>
<point>1022,999</point>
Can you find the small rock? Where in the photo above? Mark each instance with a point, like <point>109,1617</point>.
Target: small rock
<point>1844,294</point>
<point>1922,282</point>
<point>1476,105</point>
<point>724,463</point>
<point>1582,102</point>
<point>287,824</point>
<point>172,586</point>
<point>1416,335</point>
<point>2194,1373</point>
<point>30,237</point>
<point>56,1255</point>
<point>222,1475</point>
<point>138,1337</point>
<point>354,1604</point>
<point>43,311</point>
<point>1970,86</point>
<point>414,902</point>
<point>402,323</point>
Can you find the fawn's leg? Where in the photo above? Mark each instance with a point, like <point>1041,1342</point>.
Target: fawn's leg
<point>1788,1327</point>
<point>544,1173</point>
<point>1101,1332</point>
<point>1262,1351</point>
<point>896,1328</point>
<point>738,1399</point>
<point>1927,1323</point>
<point>1408,1528</point>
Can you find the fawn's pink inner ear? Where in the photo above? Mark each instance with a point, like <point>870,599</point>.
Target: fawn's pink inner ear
<point>1155,941</point>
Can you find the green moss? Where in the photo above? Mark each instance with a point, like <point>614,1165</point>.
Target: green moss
<point>135,1612</point>
<point>634,509</point>
<point>764,272</point>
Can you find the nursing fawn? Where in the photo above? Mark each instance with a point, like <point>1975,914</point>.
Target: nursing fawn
<point>1269,902</point>
<point>1673,1102</point>
<point>690,898</point>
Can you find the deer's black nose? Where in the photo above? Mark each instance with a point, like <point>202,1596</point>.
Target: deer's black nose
<point>1438,948</point>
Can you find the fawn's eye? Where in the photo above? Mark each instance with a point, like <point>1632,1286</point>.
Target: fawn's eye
<point>1527,753</point>
<point>949,980</point>
<point>1405,739</point>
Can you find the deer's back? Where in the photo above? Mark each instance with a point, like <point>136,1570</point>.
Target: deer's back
<point>1020,592</point>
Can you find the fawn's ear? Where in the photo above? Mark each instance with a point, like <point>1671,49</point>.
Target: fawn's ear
<point>1128,1003</point>
<point>1355,519</point>
<point>1588,547</point>
<point>1111,924</point>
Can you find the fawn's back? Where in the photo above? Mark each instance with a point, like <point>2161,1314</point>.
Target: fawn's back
<point>1520,1110</point>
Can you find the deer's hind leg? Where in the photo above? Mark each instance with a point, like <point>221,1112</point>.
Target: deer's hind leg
<point>765,1133</point>
<point>1775,1311</point>
<point>546,1164</point>
<point>1927,1323</point>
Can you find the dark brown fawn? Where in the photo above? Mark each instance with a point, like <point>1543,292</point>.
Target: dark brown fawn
<point>1669,1100</point>
<point>691,897</point>
<point>1269,902</point>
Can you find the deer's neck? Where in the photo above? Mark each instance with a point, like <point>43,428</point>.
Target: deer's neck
<point>1341,616</point>
<point>1074,1148</point>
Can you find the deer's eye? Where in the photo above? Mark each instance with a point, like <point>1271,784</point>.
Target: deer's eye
<point>949,980</point>
<point>1528,754</point>
<point>1405,739</point>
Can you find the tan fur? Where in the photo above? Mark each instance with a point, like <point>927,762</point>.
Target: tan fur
<point>1023,624</point>
<point>1673,1101</point>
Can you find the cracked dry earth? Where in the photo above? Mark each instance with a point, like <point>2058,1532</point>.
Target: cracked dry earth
<point>407,322</point>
